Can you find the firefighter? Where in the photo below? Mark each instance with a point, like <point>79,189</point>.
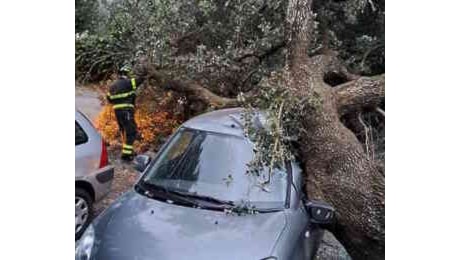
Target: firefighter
<point>122,95</point>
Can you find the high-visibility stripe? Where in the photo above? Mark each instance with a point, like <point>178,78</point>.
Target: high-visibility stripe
<point>129,147</point>
<point>126,152</point>
<point>122,95</point>
<point>133,83</point>
<point>118,106</point>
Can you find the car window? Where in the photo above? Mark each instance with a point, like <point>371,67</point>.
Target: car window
<point>178,148</point>
<point>80,135</point>
<point>216,165</point>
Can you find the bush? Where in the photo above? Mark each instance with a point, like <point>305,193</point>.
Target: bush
<point>97,57</point>
<point>155,118</point>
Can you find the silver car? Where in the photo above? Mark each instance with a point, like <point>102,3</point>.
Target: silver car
<point>196,200</point>
<point>93,174</point>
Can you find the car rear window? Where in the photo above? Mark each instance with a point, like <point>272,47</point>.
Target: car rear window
<point>80,135</point>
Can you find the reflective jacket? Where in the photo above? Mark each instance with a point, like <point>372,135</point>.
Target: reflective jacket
<point>122,93</point>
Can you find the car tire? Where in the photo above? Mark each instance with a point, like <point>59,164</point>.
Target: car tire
<point>83,211</point>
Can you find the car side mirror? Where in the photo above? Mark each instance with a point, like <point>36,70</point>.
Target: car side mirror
<point>141,162</point>
<point>320,212</point>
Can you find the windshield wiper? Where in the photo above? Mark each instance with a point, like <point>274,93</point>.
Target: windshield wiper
<point>181,196</point>
<point>204,198</point>
<point>191,199</point>
<point>268,210</point>
<point>155,187</point>
<point>149,188</point>
<point>244,210</point>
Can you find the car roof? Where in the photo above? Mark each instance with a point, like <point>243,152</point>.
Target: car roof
<point>87,125</point>
<point>79,116</point>
<point>226,121</point>
<point>229,121</point>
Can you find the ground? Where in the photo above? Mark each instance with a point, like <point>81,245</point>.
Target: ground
<point>87,101</point>
<point>331,249</point>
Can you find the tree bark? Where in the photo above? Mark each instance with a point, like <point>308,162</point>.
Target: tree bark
<point>193,91</point>
<point>360,93</point>
<point>336,166</point>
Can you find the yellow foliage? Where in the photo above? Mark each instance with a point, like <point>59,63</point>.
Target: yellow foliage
<point>151,125</point>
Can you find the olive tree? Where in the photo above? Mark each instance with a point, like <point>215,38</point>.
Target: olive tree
<point>315,67</point>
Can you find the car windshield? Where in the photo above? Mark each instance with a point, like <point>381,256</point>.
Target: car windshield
<point>215,165</point>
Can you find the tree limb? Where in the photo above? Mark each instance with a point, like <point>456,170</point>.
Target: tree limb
<point>260,54</point>
<point>366,54</point>
<point>380,111</point>
<point>174,42</point>
<point>357,94</point>
<point>299,29</point>
<point>329,62</point>
<point>192,90</point>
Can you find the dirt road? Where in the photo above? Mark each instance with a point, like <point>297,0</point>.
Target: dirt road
<point>87,101</point>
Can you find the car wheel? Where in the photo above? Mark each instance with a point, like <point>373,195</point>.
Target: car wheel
<point>83,211</point>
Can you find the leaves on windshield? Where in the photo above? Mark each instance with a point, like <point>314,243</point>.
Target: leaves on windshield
<point>243,208</point>
<point>264,186</point>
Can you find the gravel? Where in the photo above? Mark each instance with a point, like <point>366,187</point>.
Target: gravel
<point>124,179</point>
<point>331,249</point>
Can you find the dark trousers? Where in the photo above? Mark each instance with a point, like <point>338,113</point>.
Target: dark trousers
<point>128,128</point>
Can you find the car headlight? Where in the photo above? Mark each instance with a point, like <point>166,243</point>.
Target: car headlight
<point>85,244</point>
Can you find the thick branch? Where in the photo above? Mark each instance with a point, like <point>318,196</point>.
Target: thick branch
<point>174,42</point>
<point>260,54</point>
<point>360,93</point>
<point>380,111</point>
<point>192,90</point>
<point>299,29</point>
<point>329,62</point>
<point>366,54</point>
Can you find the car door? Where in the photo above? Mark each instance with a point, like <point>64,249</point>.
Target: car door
<point>81,142</point>
<point>86,150</point>
<point>310,234</point>
<point>291,245</point>
<point>298,216</point>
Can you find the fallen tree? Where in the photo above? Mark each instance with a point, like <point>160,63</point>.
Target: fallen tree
<point>321,81</point>
<point>337,168</point>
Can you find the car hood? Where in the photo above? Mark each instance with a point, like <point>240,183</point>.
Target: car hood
<point>136,227</point>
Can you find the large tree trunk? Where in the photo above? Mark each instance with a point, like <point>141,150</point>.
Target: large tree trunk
<point>339,172</point>
<point>337,168</point>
